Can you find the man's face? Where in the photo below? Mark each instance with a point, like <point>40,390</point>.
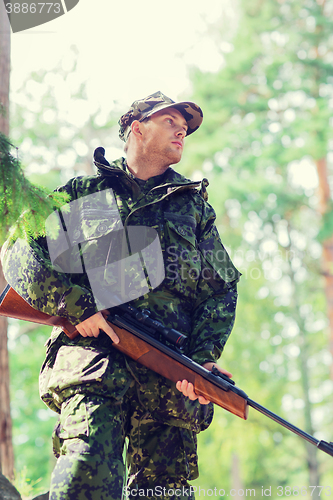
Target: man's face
<point>164,135</point>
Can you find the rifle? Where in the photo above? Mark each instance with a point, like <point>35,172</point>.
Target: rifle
<point>138,338</point>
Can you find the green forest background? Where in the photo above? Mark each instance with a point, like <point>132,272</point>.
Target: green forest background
<point>268,121</point>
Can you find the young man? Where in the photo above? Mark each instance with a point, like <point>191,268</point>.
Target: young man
<point>102,396</point>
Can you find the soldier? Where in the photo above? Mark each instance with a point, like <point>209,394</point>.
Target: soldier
<point>102,396</point>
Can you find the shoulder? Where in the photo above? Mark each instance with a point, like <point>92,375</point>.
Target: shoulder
<point>82,186</point>
<point>198,189</point>
<point>88,184</point>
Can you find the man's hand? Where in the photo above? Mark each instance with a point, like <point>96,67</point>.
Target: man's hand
<point>188,390</point>
<point>90,327</point>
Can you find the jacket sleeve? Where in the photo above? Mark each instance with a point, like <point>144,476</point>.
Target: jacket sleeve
<point>29,270</point>
<point>215,307</point>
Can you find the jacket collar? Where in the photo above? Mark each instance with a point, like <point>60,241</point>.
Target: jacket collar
<point>168,179</point>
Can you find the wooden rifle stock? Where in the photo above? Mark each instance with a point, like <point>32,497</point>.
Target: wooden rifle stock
<point>14,306</point>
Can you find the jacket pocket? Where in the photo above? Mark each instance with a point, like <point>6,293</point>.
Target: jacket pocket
<point>182,259</point>
<point>102,240</point>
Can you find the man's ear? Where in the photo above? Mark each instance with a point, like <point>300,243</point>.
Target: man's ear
<point>136,128</point>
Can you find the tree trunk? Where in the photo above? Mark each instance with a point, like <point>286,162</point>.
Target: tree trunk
<point>6,446</point>
<point>303,358</point>
<point>327,258</point>
<point>4,69</point>
<point>236,480</point>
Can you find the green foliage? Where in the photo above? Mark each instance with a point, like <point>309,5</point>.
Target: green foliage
<point>267,120</point>
<point>24,485</point>
<point>23,206</point>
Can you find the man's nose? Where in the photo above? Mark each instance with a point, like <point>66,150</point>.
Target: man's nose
<point>180,132</point>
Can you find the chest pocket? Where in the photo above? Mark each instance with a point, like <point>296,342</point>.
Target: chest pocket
<point>81,226</point>
<point>101,237</point>
<point>182,259</point>
<point>97,223</point>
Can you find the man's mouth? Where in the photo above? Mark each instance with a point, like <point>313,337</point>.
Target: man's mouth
<point>178,143</point>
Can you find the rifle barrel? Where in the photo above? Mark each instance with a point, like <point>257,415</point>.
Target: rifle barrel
<point>322,445</point>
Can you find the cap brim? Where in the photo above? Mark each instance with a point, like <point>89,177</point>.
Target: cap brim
<point>190,111</point>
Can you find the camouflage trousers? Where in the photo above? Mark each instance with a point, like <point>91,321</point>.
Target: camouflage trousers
<point>89,442</point>
<point>123,430</point>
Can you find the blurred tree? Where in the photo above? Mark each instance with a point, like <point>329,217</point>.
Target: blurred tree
<point>57,122</point>
<point>267,128</point>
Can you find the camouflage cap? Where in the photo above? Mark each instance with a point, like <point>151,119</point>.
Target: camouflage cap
<point>143,108</point>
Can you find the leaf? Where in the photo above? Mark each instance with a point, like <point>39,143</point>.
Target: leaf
<point>23,205</point>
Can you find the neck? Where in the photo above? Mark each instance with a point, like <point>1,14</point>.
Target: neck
<point>145,168</point>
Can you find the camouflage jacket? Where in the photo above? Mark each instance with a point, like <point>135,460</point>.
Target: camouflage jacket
<point>198,293</point>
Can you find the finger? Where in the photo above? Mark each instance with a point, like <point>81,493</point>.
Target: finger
<point>202,400</point>
<point>88,329</point>
<point>82,331</point>
<point>188,390</point>
<point>182,386</point>
<point>110,332</point>
<point>89,332</point>
<point>225,372</point>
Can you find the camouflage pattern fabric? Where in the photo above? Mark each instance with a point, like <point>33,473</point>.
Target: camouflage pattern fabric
<point>89,437</point>
<point>198,295</point>
<point>143,108</point>
<point>85,378</point>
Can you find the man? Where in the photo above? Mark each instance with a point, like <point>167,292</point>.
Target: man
<point>101,395</point>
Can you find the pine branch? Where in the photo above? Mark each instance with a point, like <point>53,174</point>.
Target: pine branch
<point>23,205</point>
